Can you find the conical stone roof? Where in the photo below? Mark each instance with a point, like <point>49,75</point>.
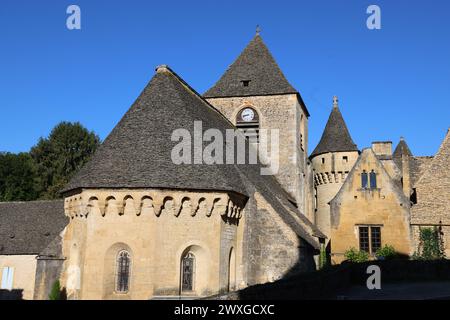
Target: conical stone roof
<point>335,137</point>
<point>137,153</point>
<point>255,67</point>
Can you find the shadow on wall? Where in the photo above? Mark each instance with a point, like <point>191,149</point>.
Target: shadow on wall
<point>305,262</point>
<point>15,294</point>
<point>325,284</point>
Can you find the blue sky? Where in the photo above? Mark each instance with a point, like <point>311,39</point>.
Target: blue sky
<point>391,82</point>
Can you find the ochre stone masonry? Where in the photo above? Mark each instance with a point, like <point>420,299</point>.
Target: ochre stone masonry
<point>385,207</point>
<point>162,224</point>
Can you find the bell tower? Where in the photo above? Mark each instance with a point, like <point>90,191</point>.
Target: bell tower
<point>254,93</point>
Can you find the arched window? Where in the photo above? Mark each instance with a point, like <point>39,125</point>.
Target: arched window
<point>232,271</point>
<point>373,180</point>
<point>247,121</point>
<point>187,272</point>
<point>364,179</point>
<point>123,272</point>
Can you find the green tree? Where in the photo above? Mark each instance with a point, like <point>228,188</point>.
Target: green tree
<point>18,177</point>
<point>58,157</point>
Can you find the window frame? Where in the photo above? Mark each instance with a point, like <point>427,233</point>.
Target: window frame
<point>372,249</point>
<point>191,255</point>
<point>364,180</point>
<point>118,272</point>
<point>373,180</point>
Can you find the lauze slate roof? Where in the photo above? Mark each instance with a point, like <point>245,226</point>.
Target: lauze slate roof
<point>27,228</point>
<point>256,65</point>
<point>335,137</point>
<point>138,151</point>
<point>433,195</point>
<point>417,165</point>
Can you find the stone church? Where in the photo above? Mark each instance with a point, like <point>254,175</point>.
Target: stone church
<point>133,224</point>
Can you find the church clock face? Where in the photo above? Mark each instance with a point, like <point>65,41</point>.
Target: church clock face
<point>247,115</point>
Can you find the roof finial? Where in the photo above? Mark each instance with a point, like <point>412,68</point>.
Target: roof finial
<point>402,138</point>
<point>258,29</point>
<point>335,102</point>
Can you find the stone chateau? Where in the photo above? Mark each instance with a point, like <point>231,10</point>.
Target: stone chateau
<point>134,225</point>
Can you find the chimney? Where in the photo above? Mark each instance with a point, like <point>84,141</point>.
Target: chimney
<point>383,149</point>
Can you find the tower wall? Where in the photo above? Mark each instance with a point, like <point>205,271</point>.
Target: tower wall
<point>330,171</point>
<point>284,113</point>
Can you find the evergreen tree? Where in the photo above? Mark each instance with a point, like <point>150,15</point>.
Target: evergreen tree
<point>51,163</point>
<point>61,155</point>
<point>18,177</point>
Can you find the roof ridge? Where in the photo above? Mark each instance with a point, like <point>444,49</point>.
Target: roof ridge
<point>166,68</point>
<point>29,201</point>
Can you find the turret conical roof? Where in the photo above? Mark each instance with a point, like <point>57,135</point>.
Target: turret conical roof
<point>402,149</point>
<point>335,137</point>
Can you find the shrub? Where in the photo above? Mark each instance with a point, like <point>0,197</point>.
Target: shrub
<point>387,252</point>
<point>55,294</point>
<point>354,255</point>
<point>323,259</point>
<point>431,244</point>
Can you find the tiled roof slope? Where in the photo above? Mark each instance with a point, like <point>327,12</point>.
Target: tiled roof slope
<point>29,227</point>
<point>137,153</point>
<point>433,189</point>
<point>417,165</point>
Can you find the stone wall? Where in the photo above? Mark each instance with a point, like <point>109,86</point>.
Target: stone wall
<point>272,250</point>
<point>24,272</point>
<point>283,113</point>
<point>157,228</point>
<point>48,270</point>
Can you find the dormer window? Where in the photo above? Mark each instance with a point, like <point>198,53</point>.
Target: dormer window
<point>245,83</point>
